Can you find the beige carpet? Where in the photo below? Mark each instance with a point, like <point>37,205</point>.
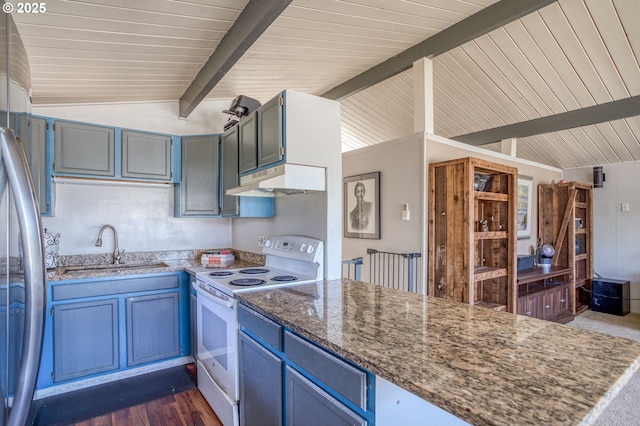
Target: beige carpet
<point>624,410</point>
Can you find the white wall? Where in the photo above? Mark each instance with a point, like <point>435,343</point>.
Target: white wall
<point>616,234</point>
<point>403,165</point>
<point>142,213</point>
<point>160,117</point>
<point>400,165</point>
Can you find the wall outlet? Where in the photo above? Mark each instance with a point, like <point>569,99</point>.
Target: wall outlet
<point>261,240</point>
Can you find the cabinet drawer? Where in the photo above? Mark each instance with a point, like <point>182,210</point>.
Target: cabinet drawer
<point>329,369</point>
<point>261,326</point>
<point>104,288</point>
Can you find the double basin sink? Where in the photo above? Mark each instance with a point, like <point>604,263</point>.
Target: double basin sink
<point>110,268</point>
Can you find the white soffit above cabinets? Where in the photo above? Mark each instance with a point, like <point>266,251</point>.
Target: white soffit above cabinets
<point>568,55</point>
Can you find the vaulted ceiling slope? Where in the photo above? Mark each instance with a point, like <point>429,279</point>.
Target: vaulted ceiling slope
<point>568,55</point>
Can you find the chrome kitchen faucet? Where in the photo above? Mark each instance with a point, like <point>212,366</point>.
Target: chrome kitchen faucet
<point>116,252</point>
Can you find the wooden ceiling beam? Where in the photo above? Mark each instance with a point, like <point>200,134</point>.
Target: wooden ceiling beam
<point>482,22</point>
<point>615,110</point>
<point>252,22</point>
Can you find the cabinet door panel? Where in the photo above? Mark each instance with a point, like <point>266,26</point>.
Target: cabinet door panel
<point>229,175</point>
<point>260,384</point>
<point>270,132</point>
<point>85,338</point>
<point>248,145</point>
<point>309,405</point>
<point>530,306</point>
<point>153,328</point>
<point>548,302</point>
<point>561,301</point>
<point>84,149</point>
<point>198,190</point>
<point>146,155</point>
<point>36,152</point>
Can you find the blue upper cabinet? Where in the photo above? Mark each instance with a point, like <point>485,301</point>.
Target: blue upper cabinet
<point>90,150</point>
<point>32,131</point>
<point>197,192</point>
<point>248,143</point>
<point>229,171</point>
<point>84,149</point>
<point>262,136</point>
<point>146,156</point>
<point>270,132</point>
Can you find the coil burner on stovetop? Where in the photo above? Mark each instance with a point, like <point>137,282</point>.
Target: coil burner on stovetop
<point>247,282</point>
<point>254,271</point>
<point>284,278</point>
<point>221,274</point>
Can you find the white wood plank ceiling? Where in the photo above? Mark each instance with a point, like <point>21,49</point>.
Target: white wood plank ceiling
<point>569,55</point>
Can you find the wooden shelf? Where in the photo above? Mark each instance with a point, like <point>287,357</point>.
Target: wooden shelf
<point>491,235</point>
<point>540,273</point>
<point>490,196</point>
<point>559,207</point>
<point>455,247</point>
<point>486,273</point>
<point>580,282</point>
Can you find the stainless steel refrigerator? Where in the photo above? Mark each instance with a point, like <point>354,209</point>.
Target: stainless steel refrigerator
<point>22,269</point>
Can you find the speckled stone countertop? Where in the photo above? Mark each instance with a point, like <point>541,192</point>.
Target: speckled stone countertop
<point>486,367</point>
<point>143,263</point>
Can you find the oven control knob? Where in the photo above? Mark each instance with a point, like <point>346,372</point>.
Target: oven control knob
<point>303,248</point>
<point>267,243</point>
<point>311,249</point>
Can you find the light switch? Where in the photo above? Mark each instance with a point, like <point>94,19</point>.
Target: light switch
<point>625,207</point>
<point>406,213</point>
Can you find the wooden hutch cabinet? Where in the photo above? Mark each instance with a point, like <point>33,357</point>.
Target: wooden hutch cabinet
<point>546,292</point>
<point>565,221</point>
<point>472,232</point>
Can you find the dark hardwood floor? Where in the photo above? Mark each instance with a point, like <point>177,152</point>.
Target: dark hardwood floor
<point>186,408</point>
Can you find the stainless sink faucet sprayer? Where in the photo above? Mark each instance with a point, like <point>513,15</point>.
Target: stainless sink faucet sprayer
<point>116,252</point>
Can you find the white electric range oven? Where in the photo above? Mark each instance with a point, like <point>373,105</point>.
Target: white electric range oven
<point>290,260</point>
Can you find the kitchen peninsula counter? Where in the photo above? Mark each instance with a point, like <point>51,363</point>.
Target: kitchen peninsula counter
<point>486,367</point>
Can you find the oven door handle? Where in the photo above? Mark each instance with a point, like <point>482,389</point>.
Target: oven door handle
<point>220,301</point>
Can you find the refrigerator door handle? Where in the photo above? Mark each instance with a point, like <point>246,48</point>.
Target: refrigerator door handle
<point>20,181</point>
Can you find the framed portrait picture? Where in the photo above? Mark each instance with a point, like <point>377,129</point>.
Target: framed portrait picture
<point>362,206</point>
<point>523,210</point>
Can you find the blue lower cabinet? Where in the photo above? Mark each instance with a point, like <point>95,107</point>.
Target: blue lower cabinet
<point>309,405</point>
<point>104,325</point>
<point>85,337</point>
<point>286,379</point>
<point>260,384</point>
<point>153,328</point>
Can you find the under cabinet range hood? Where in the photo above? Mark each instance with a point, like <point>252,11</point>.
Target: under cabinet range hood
<point>284,178</point>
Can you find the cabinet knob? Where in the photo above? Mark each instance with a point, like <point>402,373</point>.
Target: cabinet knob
<point>528,313</point>
<point>562,300</point>
<point>443,213</point>
<point>547,306</point>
